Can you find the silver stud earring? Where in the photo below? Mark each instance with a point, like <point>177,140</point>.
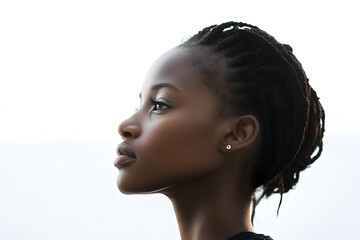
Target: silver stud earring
<point>228,147</point>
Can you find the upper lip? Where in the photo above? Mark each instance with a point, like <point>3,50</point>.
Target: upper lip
<point>123,149</point>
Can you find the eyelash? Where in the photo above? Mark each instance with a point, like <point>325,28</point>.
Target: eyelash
<point>157,103</point>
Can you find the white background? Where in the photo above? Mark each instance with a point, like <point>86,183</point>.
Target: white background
<point>70,71</point>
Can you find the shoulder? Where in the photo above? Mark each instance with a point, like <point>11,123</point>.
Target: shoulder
<point>250,236</point>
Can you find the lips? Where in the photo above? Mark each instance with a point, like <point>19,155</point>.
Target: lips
<point>123,149</point>
<point>125,156</point>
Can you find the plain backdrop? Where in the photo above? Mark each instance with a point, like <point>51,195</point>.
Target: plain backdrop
<point>71,70</point>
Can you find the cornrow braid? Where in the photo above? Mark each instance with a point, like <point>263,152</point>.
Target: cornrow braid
<point>264,78</point>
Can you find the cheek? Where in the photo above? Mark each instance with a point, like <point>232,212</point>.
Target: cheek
<point>173,149</point>
<point>179,141</point>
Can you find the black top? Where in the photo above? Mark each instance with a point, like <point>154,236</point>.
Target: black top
<point>250,236</point>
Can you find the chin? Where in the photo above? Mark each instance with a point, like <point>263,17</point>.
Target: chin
<point>124,187</point>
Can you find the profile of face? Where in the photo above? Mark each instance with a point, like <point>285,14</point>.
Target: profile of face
<point>176,136</point>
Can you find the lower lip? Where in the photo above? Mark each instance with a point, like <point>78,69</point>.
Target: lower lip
<point>123,160</point>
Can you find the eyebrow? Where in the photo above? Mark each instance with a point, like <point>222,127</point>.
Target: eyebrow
<point>163,85</point>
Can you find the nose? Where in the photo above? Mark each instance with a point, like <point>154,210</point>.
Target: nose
<point>129,129</point>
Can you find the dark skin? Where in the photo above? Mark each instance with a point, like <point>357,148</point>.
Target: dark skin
<point>180,140</point>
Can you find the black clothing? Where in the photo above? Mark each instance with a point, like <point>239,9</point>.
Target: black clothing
<point>250,236</point>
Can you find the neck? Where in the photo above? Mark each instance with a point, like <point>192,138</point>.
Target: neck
<point>211,209</point>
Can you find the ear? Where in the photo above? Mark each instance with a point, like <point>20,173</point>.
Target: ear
<point>240,132</point>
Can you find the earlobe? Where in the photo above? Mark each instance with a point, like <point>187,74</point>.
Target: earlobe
<point>242,132</point>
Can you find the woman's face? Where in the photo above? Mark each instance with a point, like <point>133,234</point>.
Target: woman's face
<point>173,138</point>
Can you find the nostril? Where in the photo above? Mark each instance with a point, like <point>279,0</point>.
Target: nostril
<point>128,130</point>
<point>127,134</point>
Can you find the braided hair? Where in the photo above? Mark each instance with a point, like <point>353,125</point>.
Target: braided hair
<point>264,78</point>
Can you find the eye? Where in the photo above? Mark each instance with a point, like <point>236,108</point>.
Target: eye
<point>160,105</point>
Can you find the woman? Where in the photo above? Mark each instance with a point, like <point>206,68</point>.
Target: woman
<point>226,113</point>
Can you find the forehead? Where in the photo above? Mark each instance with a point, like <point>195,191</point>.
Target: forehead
<point>179,68</point>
